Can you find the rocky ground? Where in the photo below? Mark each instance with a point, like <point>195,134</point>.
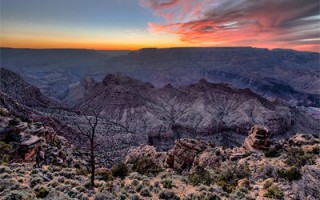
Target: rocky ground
<point>192,169</point>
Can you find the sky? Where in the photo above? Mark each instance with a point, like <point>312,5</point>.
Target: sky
<point>134,24</point>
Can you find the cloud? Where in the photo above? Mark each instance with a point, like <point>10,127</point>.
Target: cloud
<point>262,23</point>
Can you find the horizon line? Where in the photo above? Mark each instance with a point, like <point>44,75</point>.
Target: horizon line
<point>175,47</point>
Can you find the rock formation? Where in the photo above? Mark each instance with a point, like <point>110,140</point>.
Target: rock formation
<point>27,138</point>
<point>134,112</point>
<point>28,148</point>
<point>185,154</point>
<point>14,86</point>
<point>203,110</point>
<point>258,139</point>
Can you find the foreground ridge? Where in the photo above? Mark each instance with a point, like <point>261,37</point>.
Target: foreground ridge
<point>37,163</point>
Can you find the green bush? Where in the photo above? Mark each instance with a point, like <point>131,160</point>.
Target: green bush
<point>168,195</point>
<point>267,183</point>
<point>289,174</point>
<point>229,176</point>
<point>119,170</point>
<point>273,192</point>
<point>297,157</point>
<point>104,174</point>
<point>167,184</point>
<point>82,172</point>
<point>5,152</point>
<point>315,150</point>
<point>42,193</point>
<point>147,167</point>
<point>12,136</point>
<point>200,175</point>
<point>272,153</point>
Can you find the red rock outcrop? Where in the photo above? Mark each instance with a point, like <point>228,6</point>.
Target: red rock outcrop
<point>258,139</point>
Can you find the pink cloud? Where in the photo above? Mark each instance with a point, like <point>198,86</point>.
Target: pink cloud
<point>260,23</point>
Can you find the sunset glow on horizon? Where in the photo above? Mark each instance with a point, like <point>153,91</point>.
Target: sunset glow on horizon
<point>133,24</point>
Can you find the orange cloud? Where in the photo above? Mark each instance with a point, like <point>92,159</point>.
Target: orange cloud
<point>261,23</point>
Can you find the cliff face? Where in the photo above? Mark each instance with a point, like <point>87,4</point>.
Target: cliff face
<point>203,110</point>
<point>79,91</point>
<point>14,86</point>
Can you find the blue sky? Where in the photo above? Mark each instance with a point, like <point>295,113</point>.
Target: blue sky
<point>134,24</point>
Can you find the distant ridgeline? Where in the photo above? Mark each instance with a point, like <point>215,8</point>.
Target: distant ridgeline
<point>287,75</point>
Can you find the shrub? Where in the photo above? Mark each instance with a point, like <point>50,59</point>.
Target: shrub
<point>35,181</point>
<point>168,195</point>
<point>135,182</point>
<point>297,157</point>
<point>4,152</point>
<point>272,153</point>
<point>12,136</point>
<point>267,183</point>
<point>104,174</point>
<point>122,197</point>
<point>5,184</point>
<point>147,167</point>
<point>210,197</point>
<point>104,196</point>
<point>192,196</point>
<point>145,193</point>
<point>5,169</point>
<point>157,184</point>
<point>139,188</point>
<point>315,150</point>
<point>42,193</point>
<point>67,174</point>
<point>167,184</point>
<point>135,197</point>
<point>3,112</point>
<point>230,175</point>
<point>119,170</point>
<point>274,192</point>
<point>82,196</point>
<point>15,195</point>
<point>290,174</point>
<point>82,172</point>
<point>55,195</point>
<point>200,175</point>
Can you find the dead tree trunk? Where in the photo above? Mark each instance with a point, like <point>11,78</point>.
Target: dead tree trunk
<point>90,134</point>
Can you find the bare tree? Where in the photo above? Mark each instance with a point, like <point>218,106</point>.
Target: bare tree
<point>90,134</point>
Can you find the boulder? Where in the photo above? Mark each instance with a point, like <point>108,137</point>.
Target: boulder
<point>28,148</point>
<point>185,152</point>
